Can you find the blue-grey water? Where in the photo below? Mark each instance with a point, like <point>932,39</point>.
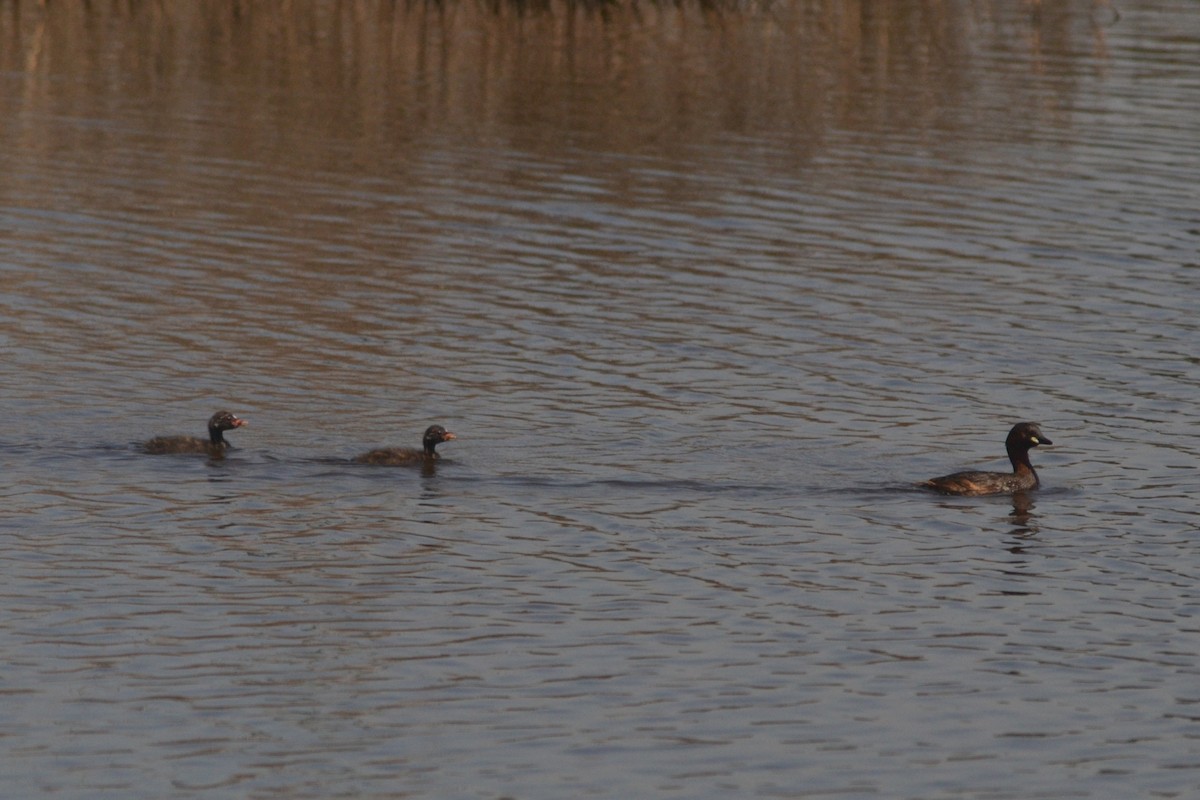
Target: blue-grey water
<point>703,294</point>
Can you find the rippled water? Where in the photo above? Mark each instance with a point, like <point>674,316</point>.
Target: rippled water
<point>702,296</point>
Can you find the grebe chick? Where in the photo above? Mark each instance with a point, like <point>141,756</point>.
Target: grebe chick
<point>410,456</point>
<point>214,445</point>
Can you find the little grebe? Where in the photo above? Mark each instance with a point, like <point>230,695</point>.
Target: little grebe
<point>1021,438</point>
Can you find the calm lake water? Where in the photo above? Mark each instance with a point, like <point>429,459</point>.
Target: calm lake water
<point>703,294</point>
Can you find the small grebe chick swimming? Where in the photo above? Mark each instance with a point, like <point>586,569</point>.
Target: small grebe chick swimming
<point>410,456</point>
<point>215,445</point>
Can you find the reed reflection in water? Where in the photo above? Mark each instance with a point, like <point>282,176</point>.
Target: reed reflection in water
<point>703,290</point>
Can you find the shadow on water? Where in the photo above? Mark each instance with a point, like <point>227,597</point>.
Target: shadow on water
<point>1023,519</point>
<point>652,485</point>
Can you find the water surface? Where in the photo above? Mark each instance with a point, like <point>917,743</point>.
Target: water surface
<point>703,294</point>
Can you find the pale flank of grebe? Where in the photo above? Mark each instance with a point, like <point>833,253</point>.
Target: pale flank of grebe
<point>410,456</point>
<point>1023,437</point>
<point>214,445</point>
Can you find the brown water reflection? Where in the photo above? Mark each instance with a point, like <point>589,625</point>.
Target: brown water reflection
<point>380,78</point>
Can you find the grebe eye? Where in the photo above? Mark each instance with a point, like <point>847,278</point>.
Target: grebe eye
<point>1034,439</point>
